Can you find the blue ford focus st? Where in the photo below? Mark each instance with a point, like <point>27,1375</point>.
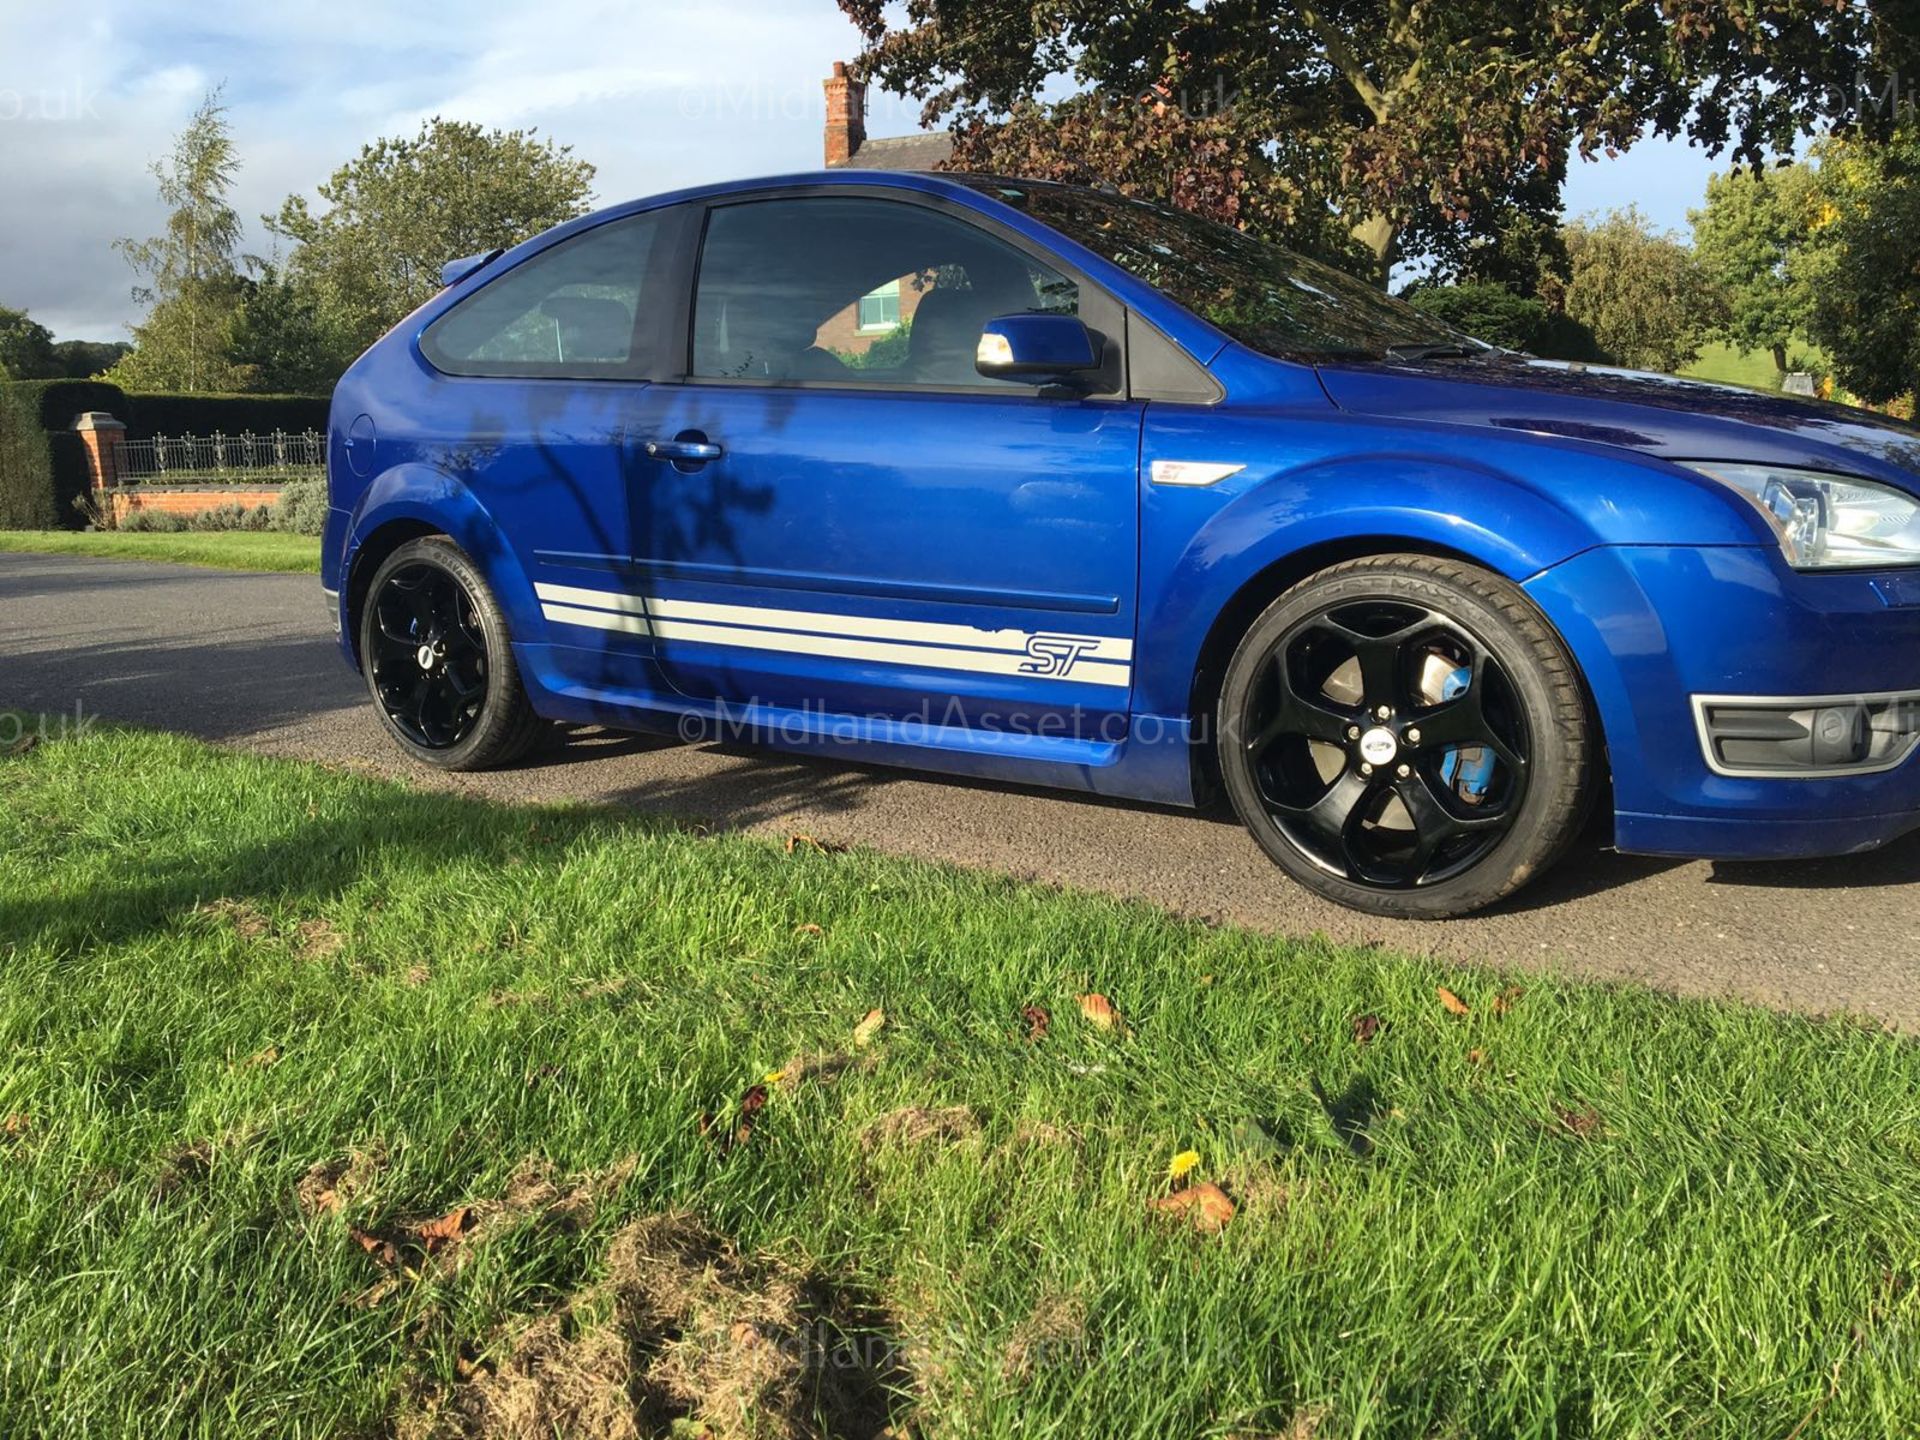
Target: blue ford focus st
<point>1030,482</point>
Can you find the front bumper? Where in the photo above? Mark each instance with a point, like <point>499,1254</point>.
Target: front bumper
<point>1655,627</point>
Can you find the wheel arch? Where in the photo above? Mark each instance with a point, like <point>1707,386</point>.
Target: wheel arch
<point>1259,590</point>
<point>409,503</point>
<point>365,562</point>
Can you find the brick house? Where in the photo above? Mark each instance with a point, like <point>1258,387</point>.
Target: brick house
<point>881,313</point>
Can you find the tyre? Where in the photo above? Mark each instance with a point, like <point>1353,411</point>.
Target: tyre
<point>436,653</point>
<point>1406,736</point>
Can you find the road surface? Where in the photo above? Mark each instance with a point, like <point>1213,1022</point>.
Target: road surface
<point>247,660</point>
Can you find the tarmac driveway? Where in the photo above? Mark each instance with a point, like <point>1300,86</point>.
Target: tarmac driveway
<point>247,660</point>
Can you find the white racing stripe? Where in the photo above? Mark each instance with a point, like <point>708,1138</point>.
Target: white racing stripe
<point>1088,659</point>
<point>597,619</point>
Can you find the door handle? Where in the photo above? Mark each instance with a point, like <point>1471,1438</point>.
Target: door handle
<point>682,451</point>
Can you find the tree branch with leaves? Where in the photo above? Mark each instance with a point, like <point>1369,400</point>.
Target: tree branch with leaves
<point>1406,121</point>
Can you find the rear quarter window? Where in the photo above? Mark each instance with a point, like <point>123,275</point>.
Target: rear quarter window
<point>579,309</point>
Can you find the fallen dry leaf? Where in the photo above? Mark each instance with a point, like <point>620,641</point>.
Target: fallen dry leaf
<point>262,1058</point>
<point>1205,1207</point>
<point>16,1124</point>
<point>1454,1004</point>
<point>795,842</point>
<point>1037,1021</point>
<point>864,1032</point>
<point>1099,1012</point>
<point>23,744</point>
<point>1365,1027</point>
<point>1476,1057</point>
<point>1507,999</point>
<point>447,1229</point>
<point>750,1106</point>
<point>383,1251</point>
<point>808,929</point>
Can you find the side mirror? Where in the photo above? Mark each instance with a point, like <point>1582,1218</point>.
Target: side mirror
<point>1037,346</point>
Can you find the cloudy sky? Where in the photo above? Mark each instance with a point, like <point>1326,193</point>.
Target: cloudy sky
<point>656,93</point>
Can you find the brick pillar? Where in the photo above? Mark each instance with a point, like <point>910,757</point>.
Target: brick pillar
<point>101,436</point>
<point>846,115</point>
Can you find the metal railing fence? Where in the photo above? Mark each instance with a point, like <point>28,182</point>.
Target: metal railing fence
<point>219,459</point>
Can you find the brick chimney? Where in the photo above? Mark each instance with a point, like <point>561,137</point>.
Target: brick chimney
<point>846,115</point>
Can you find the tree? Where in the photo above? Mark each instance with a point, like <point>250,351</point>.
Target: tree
<point>1492,312</point>
<point>1860,266</point>
<point>1411,122</point>
<point>278,343</point>
<point>193,284</point>
<point>404,207</point>
<point>1641,292</point>
<point>1152,148</point>
<point>1754,224</point>
<point>1514,240</point>
<point>26,346</point>
<point>83,359</point>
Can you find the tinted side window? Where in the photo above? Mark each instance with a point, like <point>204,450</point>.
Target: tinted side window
<point>858,291</point>
<point>578,309</point>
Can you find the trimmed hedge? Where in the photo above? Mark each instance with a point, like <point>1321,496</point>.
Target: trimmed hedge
<point>59,402</point>
<point>148,415</point>
<point>26,481</point>
<point>43,465</point>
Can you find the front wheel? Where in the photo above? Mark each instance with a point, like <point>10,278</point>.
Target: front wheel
<point>1405,735</point>
<point>438,661</point>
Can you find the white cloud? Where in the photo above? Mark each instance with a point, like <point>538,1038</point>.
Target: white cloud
<point>657,95</point>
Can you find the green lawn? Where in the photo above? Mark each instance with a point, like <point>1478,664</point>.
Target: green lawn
<point>331,1107</point>
<point>224,549</point>
<point>1722,363</point>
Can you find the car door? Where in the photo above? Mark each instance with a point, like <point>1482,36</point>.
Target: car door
<point>845,518</point>
<point>534,407</point>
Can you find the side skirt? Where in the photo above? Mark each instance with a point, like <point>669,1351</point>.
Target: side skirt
<point>1152,764</point>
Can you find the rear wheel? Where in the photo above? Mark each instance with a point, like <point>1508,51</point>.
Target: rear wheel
<point>1406,736</point>
<point>439,663</point>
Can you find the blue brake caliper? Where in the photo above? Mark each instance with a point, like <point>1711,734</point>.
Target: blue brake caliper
<point>1467,769</point>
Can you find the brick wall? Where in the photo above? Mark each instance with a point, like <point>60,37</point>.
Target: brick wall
<point>843,331</point>
<point>185,499</point>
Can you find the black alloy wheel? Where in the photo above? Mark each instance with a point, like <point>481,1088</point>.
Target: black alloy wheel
<point>438,661</point>
<point>429,657</point>
<point>1406,736</point>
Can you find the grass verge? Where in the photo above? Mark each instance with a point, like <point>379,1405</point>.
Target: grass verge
<point>223,549</point>
<point>334,1107</point>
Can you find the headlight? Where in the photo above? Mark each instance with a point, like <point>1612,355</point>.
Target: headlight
<point>1828,522</point>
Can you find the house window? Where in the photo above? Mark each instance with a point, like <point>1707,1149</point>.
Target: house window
<point>880,309</point>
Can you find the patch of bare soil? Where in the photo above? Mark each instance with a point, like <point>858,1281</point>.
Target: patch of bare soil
<point>920,1124</point>
<point>317,939</point>
<point>335,1184</point>
<point>1055,1333</point>
<point>181,1167</point>
<point>247,920</point>
<point>682,1329</point>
